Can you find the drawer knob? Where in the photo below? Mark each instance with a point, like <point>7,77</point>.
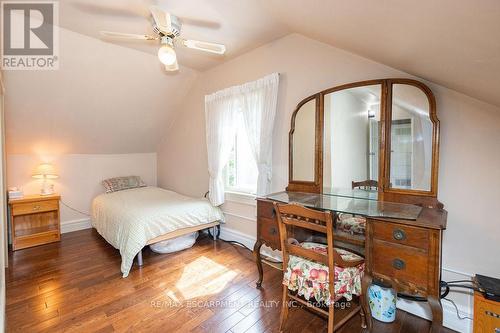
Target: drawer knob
<point>398,264</point>
<point>273,231</point>
<point>399,234</point>
<point>36,207</point>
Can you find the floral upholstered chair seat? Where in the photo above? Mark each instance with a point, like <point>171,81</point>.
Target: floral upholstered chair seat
<point>355,225</point>
<point>310,279</point>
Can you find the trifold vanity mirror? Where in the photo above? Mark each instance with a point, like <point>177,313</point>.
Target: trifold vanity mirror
<point>366,153</point>
<point>374,139</point>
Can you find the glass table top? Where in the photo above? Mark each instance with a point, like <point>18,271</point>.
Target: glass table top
<point>344,204</point>
<point>351,193</point>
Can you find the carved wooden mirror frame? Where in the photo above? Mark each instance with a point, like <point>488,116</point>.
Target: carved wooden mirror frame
<point>303,185</point>
<point>386,193</point>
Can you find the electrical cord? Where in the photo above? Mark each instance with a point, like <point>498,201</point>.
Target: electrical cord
<point>74,209</point>
<point>462,286</point>
<point>239,244</point>
<point>447,286</point>
<point>456,308</point>
<point>442,285</point>
<point>460,281</point>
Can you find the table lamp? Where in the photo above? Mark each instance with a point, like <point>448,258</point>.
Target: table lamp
<point>45,171</point>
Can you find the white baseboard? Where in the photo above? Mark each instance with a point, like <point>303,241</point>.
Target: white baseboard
<point>231,234</point>
<point>248,241</point>
<point>450,319</point>
<point>75,225</point>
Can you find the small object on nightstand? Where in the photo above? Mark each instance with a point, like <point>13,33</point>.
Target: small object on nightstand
<point>15,193</point>
<point>34,220</point>
<point>45,171</point>
<point>490,287</point>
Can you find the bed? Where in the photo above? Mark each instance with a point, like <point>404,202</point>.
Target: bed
<point>133,218</point>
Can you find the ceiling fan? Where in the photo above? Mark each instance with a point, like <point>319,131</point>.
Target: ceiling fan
<point>168,29</point>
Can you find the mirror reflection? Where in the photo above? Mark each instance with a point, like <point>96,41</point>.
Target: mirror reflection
<point>351,141</point>
<point>411,139</point>
<point>303,144</point>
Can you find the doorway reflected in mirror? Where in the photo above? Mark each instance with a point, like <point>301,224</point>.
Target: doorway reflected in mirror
<point>411,139</point>
<point>351,141</point>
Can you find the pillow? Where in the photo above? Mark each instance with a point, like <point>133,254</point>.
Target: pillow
<point>122,183</point>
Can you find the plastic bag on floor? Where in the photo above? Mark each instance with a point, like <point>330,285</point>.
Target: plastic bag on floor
<point>175,244</point>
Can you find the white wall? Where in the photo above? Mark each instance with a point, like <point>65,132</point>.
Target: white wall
<point>80,177</point>
<point>470,159</point>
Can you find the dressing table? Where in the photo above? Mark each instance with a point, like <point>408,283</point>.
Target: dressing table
<point>382,132</point>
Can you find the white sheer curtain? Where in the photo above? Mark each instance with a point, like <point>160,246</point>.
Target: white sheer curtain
<point>220,115</point>
<point>257,102</point>
<point>260,99</point>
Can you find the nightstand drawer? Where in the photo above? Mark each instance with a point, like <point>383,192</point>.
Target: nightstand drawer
<point>402,263</point>
<point>37,239</point>
<point>34,207</point>
<point>399,234</point>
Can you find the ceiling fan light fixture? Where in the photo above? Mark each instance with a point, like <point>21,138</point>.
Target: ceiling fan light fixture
<point>167,55</point>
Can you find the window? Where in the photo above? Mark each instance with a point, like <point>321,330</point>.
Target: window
<point>232,115</point>
<point>240,173</point>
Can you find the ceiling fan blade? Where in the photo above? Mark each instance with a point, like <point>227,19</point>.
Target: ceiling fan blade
<point>127,36</point>
<point>199,22</point>
<point>172,68</point>
<point>162,19</point>
<point>204,46</point>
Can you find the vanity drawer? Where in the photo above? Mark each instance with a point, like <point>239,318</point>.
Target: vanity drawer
<point>269,232</point>
<point>402,263</point>
<point>265,209</point>
<point>34,207</point>
<point>401,234</point>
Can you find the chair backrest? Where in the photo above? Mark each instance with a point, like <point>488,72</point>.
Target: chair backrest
<point>365,184</point>
<point>293,216</point>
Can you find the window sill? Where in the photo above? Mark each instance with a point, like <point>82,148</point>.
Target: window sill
<point>241,197</point>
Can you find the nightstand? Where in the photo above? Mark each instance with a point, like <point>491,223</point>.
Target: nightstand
<point>486,314</point>
<point>34,220</point>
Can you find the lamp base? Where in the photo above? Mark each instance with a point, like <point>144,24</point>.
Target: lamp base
<point>47,189</point>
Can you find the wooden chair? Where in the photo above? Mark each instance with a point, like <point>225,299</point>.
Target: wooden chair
<point>294,216</point>
<point>365,184</point>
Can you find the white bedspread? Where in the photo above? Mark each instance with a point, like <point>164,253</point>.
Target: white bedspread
<point>129,219</point>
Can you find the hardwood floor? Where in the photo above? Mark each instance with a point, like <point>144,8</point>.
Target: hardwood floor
<point>76,286</point>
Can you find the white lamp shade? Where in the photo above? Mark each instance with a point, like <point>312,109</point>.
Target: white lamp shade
<point>45,170</point>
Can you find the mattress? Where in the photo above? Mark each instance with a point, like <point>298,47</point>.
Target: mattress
<point>128,219</point>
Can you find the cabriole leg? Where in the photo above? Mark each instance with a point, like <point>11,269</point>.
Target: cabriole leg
<point>258,261</point>
<point>437,314</point>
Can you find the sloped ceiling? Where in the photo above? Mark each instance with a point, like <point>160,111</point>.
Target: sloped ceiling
<point>106,88</point>
<point>455,43</point>
<point>103,99</point>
